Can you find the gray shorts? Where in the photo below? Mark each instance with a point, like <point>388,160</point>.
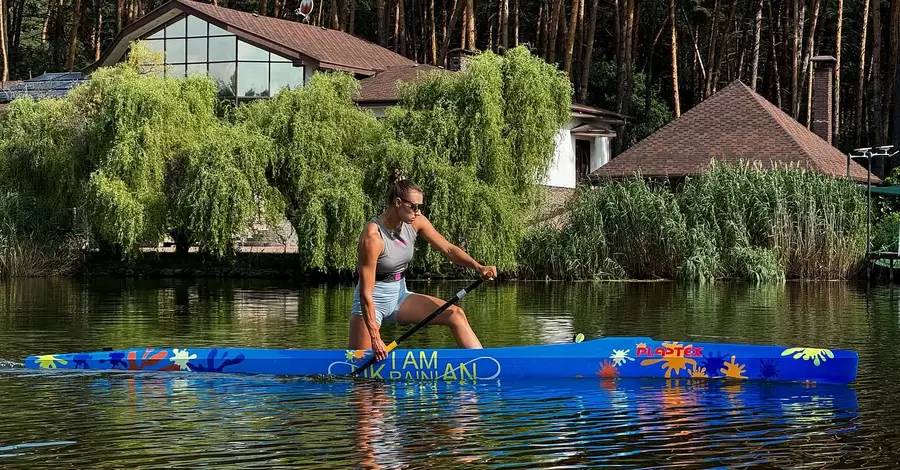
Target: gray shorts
<point>387,297</point>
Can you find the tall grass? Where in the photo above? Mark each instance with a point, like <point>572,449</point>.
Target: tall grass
<point>733,221</point>
<point>35,241</point>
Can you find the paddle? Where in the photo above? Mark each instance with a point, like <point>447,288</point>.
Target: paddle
<point>459,295</point>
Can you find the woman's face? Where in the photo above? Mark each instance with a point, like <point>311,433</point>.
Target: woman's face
<point>409,206</point>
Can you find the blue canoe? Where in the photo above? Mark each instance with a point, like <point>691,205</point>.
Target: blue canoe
<point>611,357</point>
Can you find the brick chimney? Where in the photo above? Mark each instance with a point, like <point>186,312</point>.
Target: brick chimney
<point>822,93</point>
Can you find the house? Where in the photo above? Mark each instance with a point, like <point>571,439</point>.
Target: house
<point>253,57</point>
<point>737,124</point>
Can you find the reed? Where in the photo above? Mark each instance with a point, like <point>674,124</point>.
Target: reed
<point>736,221</point>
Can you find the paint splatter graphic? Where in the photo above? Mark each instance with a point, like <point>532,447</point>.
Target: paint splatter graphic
<point>619,356</point>
<point>733,370</point>
<point>698,372</point>
<point>672,361</point>
<point>768,369</point>
<point>211,362</point>
<point>50,361</point>
<point>714,362</point>
<point>817,355</point>
<point>181,357</point>
<point>607,370</point>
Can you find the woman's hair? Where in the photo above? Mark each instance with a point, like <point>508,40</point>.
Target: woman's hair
<point>399,186</point>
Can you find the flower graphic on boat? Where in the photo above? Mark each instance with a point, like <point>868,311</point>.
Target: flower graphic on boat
<point>50,361</point>
<point>607,370</point>
<point>355,354</point>
<point>733,370</point>
<point>768,369</point>
<point>619,356</point>
<point>816,354</point>
<point>181,357</point>
<point>672,361</point>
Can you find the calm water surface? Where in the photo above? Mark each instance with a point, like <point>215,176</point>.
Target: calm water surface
<point>144,420</point>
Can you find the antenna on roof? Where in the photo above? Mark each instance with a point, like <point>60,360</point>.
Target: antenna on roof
<point>303,11</point>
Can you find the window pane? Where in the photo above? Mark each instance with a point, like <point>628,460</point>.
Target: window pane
<point>157,35</point>
<point>195,27</point>
<point>217,31</point>
<point>253,79</point>
<point>223,75</point>
<point>174,51</point>
<point>196,69</point>
<point>285,75</point>
<point>156,45</point>
<point>177,29</point>
<point>221,49</point>
<point>196,50</point>
<point>249,52</point>
<point>177,71</point>
<point>277,58</point>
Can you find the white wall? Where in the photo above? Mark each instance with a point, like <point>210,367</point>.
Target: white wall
<point>600,151</point>
<point>562,169</point>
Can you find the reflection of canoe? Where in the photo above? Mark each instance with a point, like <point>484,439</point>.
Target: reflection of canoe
<point>605,357</point>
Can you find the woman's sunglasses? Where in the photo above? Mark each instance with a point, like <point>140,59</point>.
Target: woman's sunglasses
<point>412,205</point>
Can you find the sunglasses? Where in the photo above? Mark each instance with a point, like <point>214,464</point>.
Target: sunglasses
<point>412,205</point>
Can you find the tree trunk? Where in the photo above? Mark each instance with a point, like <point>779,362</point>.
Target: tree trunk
<point>504,25</point>
<point>837,73</point>
<point>570,37</point>
<point>877,102</point>
<point>711,58</point>
<point>17,28</point>
<point>432,58</point>
<point>894,60</point>
<point>588,53</point>
<point>676,101</point>
<point>456,13</point>
<point>555,7</point>
<point>805,71</point>
<point>73,36</point>
<point>334,13</point>
<point>351,26</point>
<point>46,26</point>
<point>721,52</point>
<point>4,54</point>
<point>380,29</point>
<point>470,24</point>
<point>860,90</point>
<point>795,58</point>
<point>98,29</point>
<point>625,90</point>
<point>896,110</point>
<point>515,23</point>
<point>775,55</point>
<point>757,29</point>
<point>402,20</point>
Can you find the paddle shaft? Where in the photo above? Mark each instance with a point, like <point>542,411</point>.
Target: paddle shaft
<point>459,295</point>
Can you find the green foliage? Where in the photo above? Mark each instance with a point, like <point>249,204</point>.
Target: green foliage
<point>733,221</point>
<point>643,121</point>
<point>480,141</point>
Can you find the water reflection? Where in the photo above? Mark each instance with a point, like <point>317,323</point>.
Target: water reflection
<point>95,420</point>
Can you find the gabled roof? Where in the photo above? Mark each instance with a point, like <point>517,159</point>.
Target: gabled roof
<point>332,49</point>
<point>732,125</point>
<point>382,88</point>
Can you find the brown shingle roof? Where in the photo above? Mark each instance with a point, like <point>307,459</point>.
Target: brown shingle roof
<point>383,86</point>
<point>732,125</point>
<point>333,49</point>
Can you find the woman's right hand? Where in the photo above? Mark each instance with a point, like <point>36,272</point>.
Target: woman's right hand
<point>378,347</point>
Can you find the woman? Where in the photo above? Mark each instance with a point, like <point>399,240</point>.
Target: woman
<point>385,249</point>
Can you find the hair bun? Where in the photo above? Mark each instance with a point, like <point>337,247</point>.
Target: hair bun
<point>396,176</point>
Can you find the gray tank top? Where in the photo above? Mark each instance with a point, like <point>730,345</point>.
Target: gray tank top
<point>398,248</point>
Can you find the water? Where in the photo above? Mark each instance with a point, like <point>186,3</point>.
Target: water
<point>143,420</point>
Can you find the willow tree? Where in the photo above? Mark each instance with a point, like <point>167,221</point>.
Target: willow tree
<point>483,140</point>
<point>160,160</point>
<point>322,144</point>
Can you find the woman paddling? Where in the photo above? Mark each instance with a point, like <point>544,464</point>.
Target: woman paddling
<point>385,249</point>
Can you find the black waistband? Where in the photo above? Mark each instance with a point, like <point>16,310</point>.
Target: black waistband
<point>389,277</point>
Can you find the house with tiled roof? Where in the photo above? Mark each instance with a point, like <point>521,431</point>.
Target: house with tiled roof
<point>253,57</point>
<point>737,124</point>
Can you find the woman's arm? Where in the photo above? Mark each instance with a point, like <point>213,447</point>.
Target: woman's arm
<point>369,247</point>
<point>450,251</point>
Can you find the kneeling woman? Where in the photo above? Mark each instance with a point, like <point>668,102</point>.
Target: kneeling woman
<point>385,249</point>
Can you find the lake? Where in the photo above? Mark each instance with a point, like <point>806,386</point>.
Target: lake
<point>145,420</point>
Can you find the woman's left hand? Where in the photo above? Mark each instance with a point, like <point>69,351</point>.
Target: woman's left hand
<point>487,272</point>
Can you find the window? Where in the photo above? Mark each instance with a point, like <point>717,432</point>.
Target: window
<point>242,71</point>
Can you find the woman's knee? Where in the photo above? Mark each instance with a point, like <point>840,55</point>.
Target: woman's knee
<point>456,316</point>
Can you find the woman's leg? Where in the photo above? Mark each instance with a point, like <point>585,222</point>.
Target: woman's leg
<point>418,306</point>
<point>359,334</point>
